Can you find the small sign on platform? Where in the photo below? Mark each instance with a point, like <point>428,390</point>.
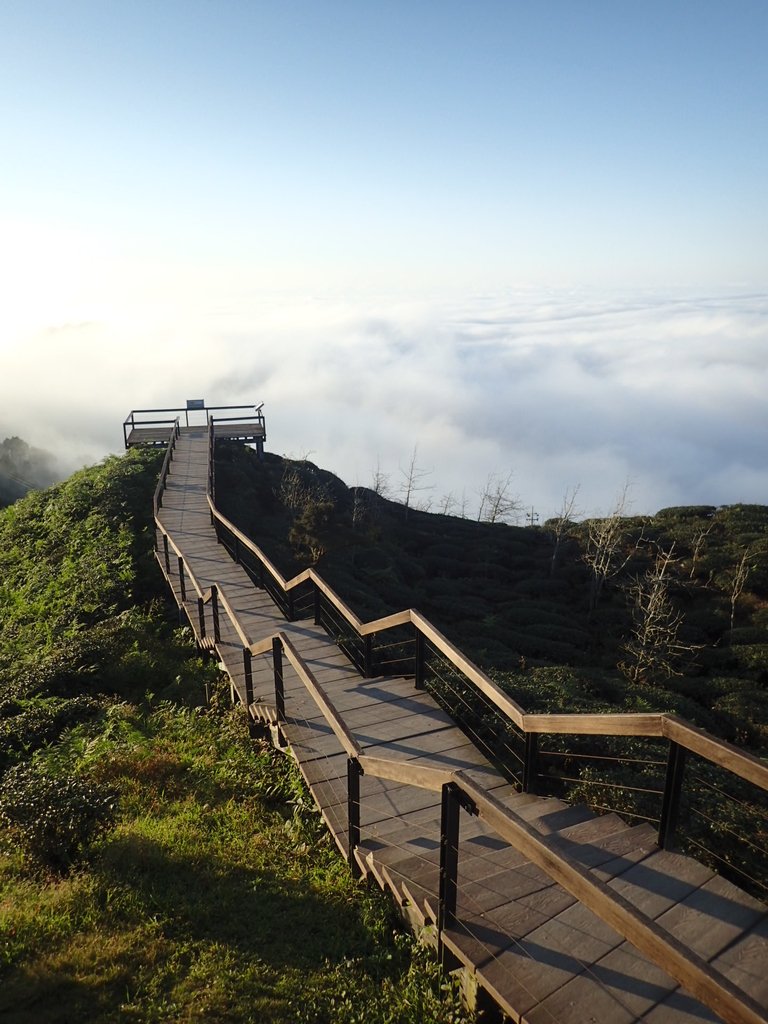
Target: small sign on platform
<point>195,403</point>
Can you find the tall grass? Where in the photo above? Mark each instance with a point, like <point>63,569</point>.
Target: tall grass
<point>217,897</point>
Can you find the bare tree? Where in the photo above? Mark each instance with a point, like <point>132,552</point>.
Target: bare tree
<point>447,504</point>
<point>605,554</point>
<point>738,578</point>
<point>413,480</point>
<point>380,481</point>
<point>654,646</point>
<point>497,502</point>
<point>462,505</point>
<point>561,521</point>
<point>698,545</point>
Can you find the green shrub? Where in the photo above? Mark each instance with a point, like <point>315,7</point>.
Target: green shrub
<point>28,725</point>
<point>54,819</point>
<point>408,987</point>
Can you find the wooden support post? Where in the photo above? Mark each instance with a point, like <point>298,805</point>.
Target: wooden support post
<point>167,554</point>
<point>248,670</point>
<point>317,604</point>
<point>291,611</point>
<point>237,550</point>
<point>670,807</point>
<point>182,582</point>
<point>419,661</point>
<point>201,616</point>
<point>215,611</point>
<point>277,661</point>
<point>530,764</point>
<point>353,811</point>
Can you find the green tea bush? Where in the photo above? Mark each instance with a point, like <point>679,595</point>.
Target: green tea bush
<point>26,726</point>
<point>408,987</point>
<point>55,820</point>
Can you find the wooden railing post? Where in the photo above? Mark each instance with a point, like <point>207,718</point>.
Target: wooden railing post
<point>353,812</point>
<point>291,611</point>
<point>201,616</point>
<point>670,807</point>
<point>182,582</point>
<point>449,858</point>
<point>368,655</point>
<point>530,764</point>
<point>277,661</point>
<point>167,554</point>
<point>215,611</point>
<point>317,604</point>
<point>453,799</point>
<point>419,662</point>
<point>248,670</point>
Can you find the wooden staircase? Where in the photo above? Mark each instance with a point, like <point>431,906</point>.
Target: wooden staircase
<point>555,913</point>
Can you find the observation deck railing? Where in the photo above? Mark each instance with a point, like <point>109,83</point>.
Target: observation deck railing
<point>142,426</point>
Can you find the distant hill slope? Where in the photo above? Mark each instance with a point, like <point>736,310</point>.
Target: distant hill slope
<point>23,468</point>
<point>672,615</point>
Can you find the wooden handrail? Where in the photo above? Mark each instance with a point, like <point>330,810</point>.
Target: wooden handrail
<point>262,647</point>
<point>164,469</point>
<point>654,724</point>
<point>406,772</point>
<point>476,675</point>
<point>694,974</point>
<point>720,752</point>
<point>597,724</point>
<point>320,698</point>
<point>223,600</point>
<point>178,553</point>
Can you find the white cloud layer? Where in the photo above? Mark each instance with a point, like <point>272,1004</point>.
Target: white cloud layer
<point>667,391</point>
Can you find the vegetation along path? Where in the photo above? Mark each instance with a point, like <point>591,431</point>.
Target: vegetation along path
<point>555,913</point>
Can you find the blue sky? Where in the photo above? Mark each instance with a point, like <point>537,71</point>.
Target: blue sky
<point>446,142</point>
<point>209,177</point>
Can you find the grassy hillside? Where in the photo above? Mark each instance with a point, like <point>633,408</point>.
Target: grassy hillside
<point>660,613</point>
<point>156,864</point>
<point>527,606</point>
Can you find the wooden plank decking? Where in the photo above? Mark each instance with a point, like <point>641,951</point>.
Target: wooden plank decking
<point>542,955</point>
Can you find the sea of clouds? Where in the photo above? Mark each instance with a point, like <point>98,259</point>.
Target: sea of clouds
<point>561,389</point>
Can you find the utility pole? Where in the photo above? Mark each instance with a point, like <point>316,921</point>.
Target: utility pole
<point>532,517</point>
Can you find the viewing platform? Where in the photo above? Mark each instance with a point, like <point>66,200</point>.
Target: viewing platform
<point>153,427</point>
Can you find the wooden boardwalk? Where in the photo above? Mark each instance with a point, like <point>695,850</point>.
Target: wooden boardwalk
<point>521,937</point>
